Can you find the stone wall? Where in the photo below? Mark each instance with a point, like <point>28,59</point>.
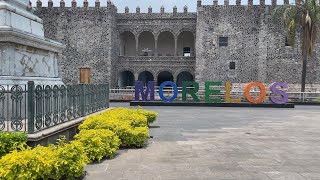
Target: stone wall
<point>89,37</point>
<point>256,44</point>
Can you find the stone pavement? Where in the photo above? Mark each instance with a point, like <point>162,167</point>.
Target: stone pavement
<point>222,143</point>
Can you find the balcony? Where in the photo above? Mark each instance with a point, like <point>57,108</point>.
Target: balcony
<point>160,61</point>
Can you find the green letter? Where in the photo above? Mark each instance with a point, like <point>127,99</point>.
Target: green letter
<point>192,92</point>
<point>208,92</point>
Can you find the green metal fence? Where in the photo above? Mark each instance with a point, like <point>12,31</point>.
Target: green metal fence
<point>32,108</point>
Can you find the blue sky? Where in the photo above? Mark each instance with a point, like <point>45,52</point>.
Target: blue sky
<point>156,4</point>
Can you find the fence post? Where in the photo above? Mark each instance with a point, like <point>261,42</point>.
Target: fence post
<point>31,104</point>
<point>82,99</point>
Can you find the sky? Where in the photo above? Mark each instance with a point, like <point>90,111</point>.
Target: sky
<point>156,4</point>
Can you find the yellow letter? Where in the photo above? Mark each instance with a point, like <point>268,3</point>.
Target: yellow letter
<point>227,96</point>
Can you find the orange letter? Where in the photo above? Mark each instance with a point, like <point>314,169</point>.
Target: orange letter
<point>227,97</point>
<point>262,96</point>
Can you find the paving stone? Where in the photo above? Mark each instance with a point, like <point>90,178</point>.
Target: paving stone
<point>277,148</point>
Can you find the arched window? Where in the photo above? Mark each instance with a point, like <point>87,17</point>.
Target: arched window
<point>126,79</point>
<point>146,44</point>
<point>127,44</point>
<point>166,44</point>
<point>164,76</point>
<point>145,77</point>
<point>186,44</point>
<point>184,76</point>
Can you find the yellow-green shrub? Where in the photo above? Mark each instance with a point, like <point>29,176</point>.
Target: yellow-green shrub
<point>72,159</point>
<point>53,162</point>
<point>98,143</point>
<point>124,114</point>
<point>38,163</point>
<point>12,141</point>
<point>128,134</point>
<point>151,115</point>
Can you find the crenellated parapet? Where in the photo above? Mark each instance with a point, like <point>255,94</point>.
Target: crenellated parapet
<point>113,8</point>
<point>74,5</point>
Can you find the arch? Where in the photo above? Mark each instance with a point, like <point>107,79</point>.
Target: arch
<point>146,46</point>
<point>185,44</point>
<point>164,76</point>
<point>163,30</point>
<point>127,44</point>
<point>186,29</point>
<point>126,78</point>
<point>166,44</point>
<point>145,77</point>
<point>184,76</point>
<point>127,29</point>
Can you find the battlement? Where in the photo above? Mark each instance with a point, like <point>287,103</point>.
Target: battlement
<point>110,6</point>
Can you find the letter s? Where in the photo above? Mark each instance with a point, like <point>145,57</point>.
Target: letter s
<point>279,100</point>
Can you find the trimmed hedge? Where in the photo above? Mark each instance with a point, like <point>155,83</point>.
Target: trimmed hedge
<point>151,115</point>
<point>100,136</point>
<point>131,125</point>
<point>98,143</point>
<point>12,141</point>
<point>52,162</point>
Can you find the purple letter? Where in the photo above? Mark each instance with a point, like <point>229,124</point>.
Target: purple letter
<point>283,93</point>
<point>138,88</point>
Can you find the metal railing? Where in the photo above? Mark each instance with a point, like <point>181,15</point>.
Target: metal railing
<point>32,108</point>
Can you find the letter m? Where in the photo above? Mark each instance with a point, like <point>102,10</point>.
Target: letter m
<point>138,88</point>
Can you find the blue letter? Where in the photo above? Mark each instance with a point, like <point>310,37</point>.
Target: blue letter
<point>138,88</point>
<point>175,91</point>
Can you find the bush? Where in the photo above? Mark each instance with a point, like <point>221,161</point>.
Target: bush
<point>12,141</point>
<point>53,162</point>
<point>38,163</point>
<point>98,143</point>
<point>125,114</point>
<point>128,124</point>
<point>151,115</point>
<point>129,136</point>
<point>72,159</point>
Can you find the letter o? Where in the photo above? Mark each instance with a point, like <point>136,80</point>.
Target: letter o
<point>175,91</point>
<point>259,99</point>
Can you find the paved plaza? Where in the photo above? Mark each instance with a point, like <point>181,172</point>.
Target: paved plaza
<point>222,143</point>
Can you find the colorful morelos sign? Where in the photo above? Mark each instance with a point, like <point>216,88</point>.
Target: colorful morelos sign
<point>278,89</point>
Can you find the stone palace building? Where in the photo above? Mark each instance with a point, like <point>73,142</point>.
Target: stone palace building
<point>240,43</point>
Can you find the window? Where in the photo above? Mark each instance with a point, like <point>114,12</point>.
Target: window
<point>287,42</point>
<point>223,41</point>
<point>186,52</point>
<point>232,65</point>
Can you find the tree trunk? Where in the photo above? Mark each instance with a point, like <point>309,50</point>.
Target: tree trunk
<point>304,72</point>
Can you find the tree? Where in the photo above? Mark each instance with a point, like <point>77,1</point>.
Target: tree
<point>304,17</point>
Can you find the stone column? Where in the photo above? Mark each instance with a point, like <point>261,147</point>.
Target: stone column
<point>137,46</point>
<point>175,46</point>
<point>156,47</point>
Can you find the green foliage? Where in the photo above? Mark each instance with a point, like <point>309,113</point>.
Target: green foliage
<point>72,159</point>
<point>130,125</point>
<point>52,162</point>
<point>12,141</point>
<point>306,17</point>
<point>98,143</point>
<point>100,136</point>
<point>38,163</point>
<point>124,114</point>
<point>151,115</point>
